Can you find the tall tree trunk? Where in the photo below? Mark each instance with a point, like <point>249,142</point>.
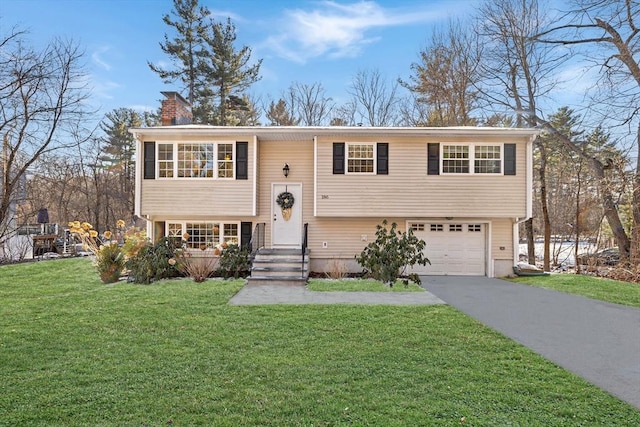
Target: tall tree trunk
<point>531,246</point>
<point>608,202</point>
<point>635,206</point>
<point>576,222</point>
<point>545,208</point>
<point>611,211</point>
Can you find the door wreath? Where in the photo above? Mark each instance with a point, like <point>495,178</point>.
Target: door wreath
<point>285,200</point>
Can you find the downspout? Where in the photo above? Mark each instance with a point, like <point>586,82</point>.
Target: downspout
<point>255,175</point>
<point>315,175</point>
<point>529,200</point>
<point>137,204</point>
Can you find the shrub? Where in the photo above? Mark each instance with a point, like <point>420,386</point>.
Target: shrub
<point>198,268</point>
<point>110,259</point>
<point>388,257</point>
<point>336,269</point>
<point>153,262</point>
<point>234,261</point>
<point>109,262</point>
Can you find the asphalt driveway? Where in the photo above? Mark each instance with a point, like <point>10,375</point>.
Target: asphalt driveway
<point>596,340</point>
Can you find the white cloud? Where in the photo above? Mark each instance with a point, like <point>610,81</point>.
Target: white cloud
<point>103,88</point>
<point>97,57</point>
<point>338,30</point>
<point>222,15</point>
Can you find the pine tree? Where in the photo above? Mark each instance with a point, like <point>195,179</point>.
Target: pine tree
<point>226,71</point>
<point>119,151</point>
<point>187,50</point>
<point>279,115</point>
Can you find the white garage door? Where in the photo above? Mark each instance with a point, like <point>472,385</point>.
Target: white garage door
<point>452,248</point>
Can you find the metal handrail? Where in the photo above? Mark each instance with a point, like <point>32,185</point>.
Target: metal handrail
<point>304,246</point>
<point>257,238</point>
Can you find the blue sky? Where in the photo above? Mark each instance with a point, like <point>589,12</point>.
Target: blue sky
<point>299,41</point>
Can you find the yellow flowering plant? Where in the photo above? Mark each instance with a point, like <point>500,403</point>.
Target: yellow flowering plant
<point>109,255</point>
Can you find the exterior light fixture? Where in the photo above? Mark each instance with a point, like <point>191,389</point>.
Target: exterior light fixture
<point>285,170</point>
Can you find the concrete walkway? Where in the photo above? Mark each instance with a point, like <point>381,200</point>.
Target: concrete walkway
<point>596,340</point>
<point>287,294</point>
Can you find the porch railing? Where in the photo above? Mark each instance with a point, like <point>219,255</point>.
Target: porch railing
<point>257,239</point>
<point>305,237</point>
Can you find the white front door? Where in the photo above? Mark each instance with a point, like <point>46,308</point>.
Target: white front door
<point>286,223</point>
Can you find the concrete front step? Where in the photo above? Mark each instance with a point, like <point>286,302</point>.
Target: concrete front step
<point>272,251</point>
<point>277,280</point>
<point>279,263</point>
<point>279,266</point>
<point>280,271</point>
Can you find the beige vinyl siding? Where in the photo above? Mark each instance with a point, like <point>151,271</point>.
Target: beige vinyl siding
<point>408,191</point>
<point>502,237</point>
<point>273,156</point>
<point>193,197</point>
<point>344,237</point>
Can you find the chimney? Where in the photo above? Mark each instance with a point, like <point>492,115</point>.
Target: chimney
<point>175,110</point>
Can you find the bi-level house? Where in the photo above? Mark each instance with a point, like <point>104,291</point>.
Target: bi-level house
<point>464,190</point>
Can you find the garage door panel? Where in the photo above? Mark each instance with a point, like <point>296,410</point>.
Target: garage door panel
<point>453,249</point>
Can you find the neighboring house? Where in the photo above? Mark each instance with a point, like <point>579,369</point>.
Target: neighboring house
<point>464,190</point>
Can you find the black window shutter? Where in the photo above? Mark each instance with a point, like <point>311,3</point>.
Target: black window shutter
<point>433,159</point>
<point>245,234</point>
<point>242,160</point>
<point>383,158</point>
<point>338,157</point>
<point>509,159</point>
<point>149,160</point>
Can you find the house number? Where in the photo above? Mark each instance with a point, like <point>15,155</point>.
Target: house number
<point>325,196</point>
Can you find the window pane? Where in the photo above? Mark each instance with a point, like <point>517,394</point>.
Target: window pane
<point>195,160</point>
<point>202,235</point>
<point>174,230</point>
<point>487,159</point>
<point>360,158</point>
<point>165,160</point>
<point>225,160</point>
<point>231,234</point>
<point>455,159</point>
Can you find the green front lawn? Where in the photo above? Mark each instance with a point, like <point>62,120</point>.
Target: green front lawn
<point>592,287</point>
<point>76,352</point>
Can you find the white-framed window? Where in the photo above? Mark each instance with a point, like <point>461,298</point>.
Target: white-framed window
<point>488,159</point>
<point>455,159</point>
<point>472,159</point>
<point>196,160</point>
<point>455,228</point>
<point>436,227</point>
<point>361,158</point>
<point>474,228</point>
<point>225,160</point>
<point>204,235</point>
<point>417,226</point>
<point>165,160</point>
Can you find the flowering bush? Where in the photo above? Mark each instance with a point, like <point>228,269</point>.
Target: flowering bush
<point>153,262</point>
<point>109,258</point>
